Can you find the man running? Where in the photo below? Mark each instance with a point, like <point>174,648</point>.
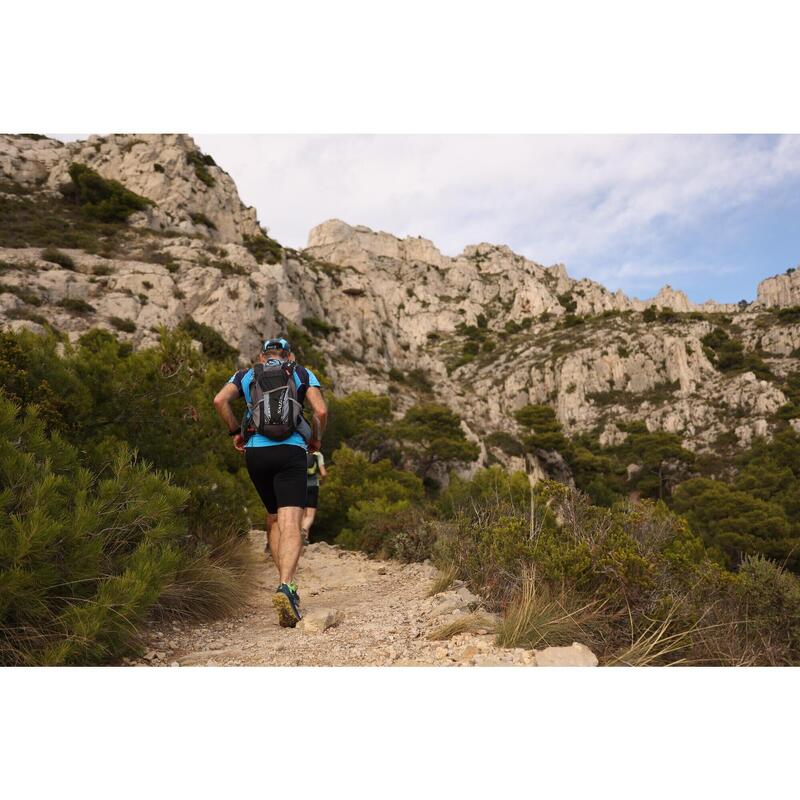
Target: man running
<point>277,467</point>
<point>316,474</point>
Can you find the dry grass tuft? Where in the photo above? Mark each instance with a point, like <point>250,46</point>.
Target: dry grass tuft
<point>213,584</point>
<point>443,581</point>
<point>469,623</point>
<point>665,642</point>
<point>537,617</point>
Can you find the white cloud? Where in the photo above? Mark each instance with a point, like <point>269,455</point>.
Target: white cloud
<point>618,209</point>
<point>577,199</point>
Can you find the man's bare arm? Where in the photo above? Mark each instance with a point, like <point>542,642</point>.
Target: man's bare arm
<point>222,402</point>
<point>320,419</point>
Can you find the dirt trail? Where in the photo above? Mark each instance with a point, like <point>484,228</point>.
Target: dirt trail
<point>385,616</point>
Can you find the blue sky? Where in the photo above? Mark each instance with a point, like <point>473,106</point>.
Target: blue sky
<point>712,215</point>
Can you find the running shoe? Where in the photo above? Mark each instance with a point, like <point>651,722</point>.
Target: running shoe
<point>287,603</point>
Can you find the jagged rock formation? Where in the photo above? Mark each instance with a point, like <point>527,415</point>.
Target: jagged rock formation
<point>489,330</point>
<point>169,169</point>
<point>780,291</point>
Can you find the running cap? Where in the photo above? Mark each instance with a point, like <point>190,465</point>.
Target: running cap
<point>277,344</point>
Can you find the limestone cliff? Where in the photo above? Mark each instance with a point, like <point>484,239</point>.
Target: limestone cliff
<point>489,330</point>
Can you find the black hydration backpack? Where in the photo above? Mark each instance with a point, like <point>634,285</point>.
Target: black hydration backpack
<point>275,409</point>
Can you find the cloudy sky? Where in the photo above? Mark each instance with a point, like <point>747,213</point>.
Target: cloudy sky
<point>711,215</point>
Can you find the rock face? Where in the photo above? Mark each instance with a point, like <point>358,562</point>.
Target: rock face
<point>489,330</point>
<point>780,290</point>
<point>169,169</point>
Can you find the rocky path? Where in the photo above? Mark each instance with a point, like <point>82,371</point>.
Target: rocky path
<point>358,612</point>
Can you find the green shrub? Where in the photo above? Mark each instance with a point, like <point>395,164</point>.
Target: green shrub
<point>728,355</point>
<point>307,352</point>
<point>25,313</point>
<point>26,295</point>
<point>318,327</point>
<point>201,219</point>
<point>76,305</point>
<point>158,168</point>
<point>546,433</point>
<point>102,199</point>
<point>567,302</point>
<point>506,442</point>
<point>515,326</point>
<point>55,256</point>
<point>201,162</point>
<point>264,249</point>
<point>790,315</point>
<point>353,480</point>
<point>127,325</point>
<point>82,559</point>
<point>736,523</point>
<point>432,434</point>
<point>214,346</point>
<point>359,420</point>
<point>44,220</point>
<point>633,582</point>
<point>572,321</point>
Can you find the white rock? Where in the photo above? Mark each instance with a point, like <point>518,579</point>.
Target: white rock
<point>318,620</point>
<point>576,655</point>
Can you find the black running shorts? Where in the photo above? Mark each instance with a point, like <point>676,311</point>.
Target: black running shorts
<point>279,475</point>
<point>312,496</point>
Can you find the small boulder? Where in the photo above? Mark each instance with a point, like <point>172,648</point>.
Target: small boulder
<point>576,655</point>
<point>319,619</point>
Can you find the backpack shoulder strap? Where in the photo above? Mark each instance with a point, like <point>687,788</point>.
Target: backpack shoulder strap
<point>302,374</point>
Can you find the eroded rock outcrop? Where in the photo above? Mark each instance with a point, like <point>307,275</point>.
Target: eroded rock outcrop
<point>191,193</point>
<point>489,330</point>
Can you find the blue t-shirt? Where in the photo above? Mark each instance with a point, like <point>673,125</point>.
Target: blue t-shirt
<point>242,380</point>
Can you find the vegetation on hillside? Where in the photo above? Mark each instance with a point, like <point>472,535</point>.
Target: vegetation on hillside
<point>120,497</point>
<point>100,198</point>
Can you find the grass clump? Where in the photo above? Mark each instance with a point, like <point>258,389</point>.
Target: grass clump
<point>76,305</point>
<point>126,325</point>
<point>26,313</point>
<point>26,295</point>
<point>55,256</point>
<point>538,616</point>
<point>264,249</point>
<point>443,581</point>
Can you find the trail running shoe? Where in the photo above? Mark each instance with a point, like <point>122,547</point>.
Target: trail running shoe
<point>287,603</point>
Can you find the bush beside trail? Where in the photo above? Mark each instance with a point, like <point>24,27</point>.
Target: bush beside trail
<point>120,499</point>
<point>633,582</point>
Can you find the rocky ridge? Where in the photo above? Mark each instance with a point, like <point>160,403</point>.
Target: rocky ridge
<point>489,329</point>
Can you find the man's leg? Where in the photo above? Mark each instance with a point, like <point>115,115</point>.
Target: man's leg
<point>308,521</point>
<point>273,537</point>
<point>289,546</point>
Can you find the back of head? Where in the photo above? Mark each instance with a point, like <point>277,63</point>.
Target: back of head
<point>277,348</point>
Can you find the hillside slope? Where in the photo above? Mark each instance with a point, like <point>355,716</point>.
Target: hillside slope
<point>486,332</point>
